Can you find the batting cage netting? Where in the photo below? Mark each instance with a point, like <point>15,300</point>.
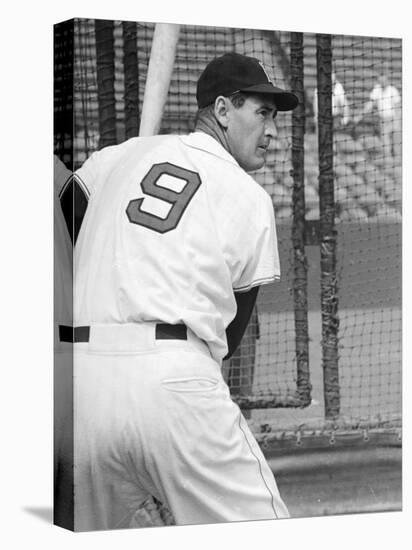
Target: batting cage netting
<point>322,353</point>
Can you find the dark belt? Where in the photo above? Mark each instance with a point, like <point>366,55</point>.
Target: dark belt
<point>82,334</point>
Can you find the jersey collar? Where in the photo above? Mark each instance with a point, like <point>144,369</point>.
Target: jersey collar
<point>204,142</point>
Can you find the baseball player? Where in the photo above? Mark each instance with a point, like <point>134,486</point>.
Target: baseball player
<point>176,240</point>
<point>340,105</point>
<point>385,100</point>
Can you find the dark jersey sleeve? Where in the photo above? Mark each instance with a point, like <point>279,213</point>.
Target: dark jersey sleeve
<point>245,302</point>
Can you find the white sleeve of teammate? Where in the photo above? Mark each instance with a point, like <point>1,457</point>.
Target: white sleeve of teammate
<point>261,263</point>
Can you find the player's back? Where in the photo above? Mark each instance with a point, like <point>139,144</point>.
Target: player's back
<point>170,230</point>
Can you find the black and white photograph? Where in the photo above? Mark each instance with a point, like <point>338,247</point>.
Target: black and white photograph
<point>226,299</point>
<point>234,200</point>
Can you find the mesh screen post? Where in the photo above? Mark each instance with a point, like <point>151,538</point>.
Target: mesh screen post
<point>328,235</point>
<point>105,82</point>
<point>131,79</point>
<point>300,292</point>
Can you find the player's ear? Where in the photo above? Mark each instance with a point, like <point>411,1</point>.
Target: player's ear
<point>222,109</point>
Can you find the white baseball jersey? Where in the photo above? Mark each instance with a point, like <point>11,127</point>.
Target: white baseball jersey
<point>173,227</point>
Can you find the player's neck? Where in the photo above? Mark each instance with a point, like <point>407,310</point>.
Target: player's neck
<point>210,126</point>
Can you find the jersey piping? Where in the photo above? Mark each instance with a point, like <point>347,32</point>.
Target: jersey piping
<point>257,282</point>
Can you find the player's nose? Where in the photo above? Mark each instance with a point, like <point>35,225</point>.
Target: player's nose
<point>270,128</point>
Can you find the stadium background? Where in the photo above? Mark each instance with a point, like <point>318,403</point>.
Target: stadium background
<point>353,464</point>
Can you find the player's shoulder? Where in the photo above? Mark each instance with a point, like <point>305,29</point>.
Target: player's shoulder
<point>208,149</point>
<point>248,183</point>
<point>135,144</point>
<point>250,196</point>
<point>221,167</point>
<point>261,195</point>
<point>114,155</point>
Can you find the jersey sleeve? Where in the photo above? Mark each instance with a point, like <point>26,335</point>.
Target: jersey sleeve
<point>87,176</point>
<point>260,253</point>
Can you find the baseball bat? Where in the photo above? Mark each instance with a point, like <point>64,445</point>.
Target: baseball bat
<point>159,74</point>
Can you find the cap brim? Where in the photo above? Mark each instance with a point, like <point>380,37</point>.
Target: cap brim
<point>285,101</point>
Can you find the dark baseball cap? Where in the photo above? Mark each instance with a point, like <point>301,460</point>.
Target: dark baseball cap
<point>233,72</point>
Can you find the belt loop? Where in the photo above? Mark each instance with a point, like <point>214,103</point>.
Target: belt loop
<point>74,334</point>
<point>170,332</point>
